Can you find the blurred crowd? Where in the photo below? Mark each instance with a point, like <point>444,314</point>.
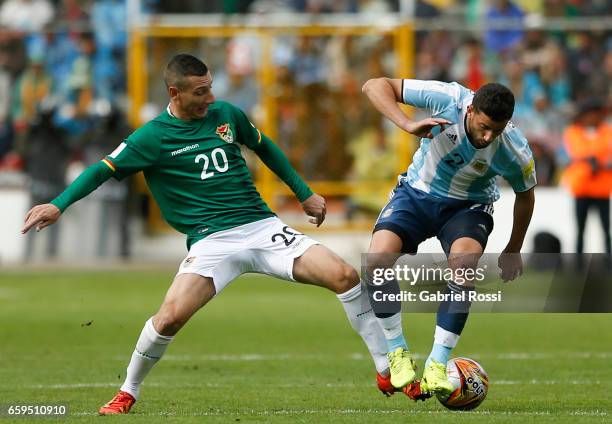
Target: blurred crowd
<point>61,59</point>
<point>63,79</point>
<point>62,96</point>
<point>551,75</point>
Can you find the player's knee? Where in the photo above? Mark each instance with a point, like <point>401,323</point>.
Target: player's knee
<point>168,321</point>
<point>344,278</point>
<point>464,261</point>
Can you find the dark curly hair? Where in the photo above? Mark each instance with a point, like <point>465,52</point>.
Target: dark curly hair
<point>495,100</point>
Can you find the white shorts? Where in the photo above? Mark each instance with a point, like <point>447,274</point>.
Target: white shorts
<point>264,247</point>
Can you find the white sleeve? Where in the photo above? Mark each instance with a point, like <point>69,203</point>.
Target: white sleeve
<point>435,96</point>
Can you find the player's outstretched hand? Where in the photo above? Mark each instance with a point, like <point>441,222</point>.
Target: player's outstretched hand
<point>41,216</point>
<point>511,265</point>
<point>314,207</point>
<point>423,127</point>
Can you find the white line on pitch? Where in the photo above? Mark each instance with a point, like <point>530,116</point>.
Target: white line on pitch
<point>515,356</point>
<point>222,413</point>
<point>296,385</point>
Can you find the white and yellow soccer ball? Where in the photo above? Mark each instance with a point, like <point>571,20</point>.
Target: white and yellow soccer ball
<point>470,382</point>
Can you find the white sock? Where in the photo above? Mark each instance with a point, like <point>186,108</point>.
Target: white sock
<point>391,326</point>
<point>363,320</point>
<point>150,347</point>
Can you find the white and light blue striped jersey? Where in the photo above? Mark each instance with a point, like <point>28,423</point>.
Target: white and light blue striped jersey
<point>449,165</point>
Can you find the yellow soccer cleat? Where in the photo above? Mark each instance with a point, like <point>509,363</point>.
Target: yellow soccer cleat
<point>402,367</point>
<point>435,381</point>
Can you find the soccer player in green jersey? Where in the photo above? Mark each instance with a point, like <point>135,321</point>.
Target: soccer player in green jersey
<point>190,156</point>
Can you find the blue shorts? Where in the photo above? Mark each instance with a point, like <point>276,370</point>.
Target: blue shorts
<point>416,216</point>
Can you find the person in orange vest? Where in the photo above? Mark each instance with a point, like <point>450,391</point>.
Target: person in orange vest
<point>588,142</point>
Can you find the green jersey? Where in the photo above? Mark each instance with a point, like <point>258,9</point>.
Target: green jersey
<point>195,169</point>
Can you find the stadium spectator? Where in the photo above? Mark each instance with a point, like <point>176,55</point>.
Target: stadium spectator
<point>308,67</point>
<point>13,53</point>
<point>588,176</point>
<point>236,83</point>
<point>110,203</point>
<point>31,88</point>
<point>74,115</point>
<point>542,127</point>
<point>6,140</point>
<point>428,67</point>
<point>525,85</point>
<point>532,49</point>
<point>607,67</point>
<point>593,7</point>
<point>109,22</point>
<point>75,15</point>
<point>26,16</point>
<point>559,9</point>
<point>553,75</point>
<point>60,52</point>
<point>443,46</point>
<point>472,65</point>
<point>584,59</point>
<point>505,13</point>
<point>46,152</point>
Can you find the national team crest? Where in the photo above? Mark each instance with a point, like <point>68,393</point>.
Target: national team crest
<point>225,132</point>
<point>480,165</point>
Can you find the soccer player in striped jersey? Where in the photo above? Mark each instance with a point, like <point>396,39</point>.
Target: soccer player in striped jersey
<point>448,192</point>
<point>191,159</point>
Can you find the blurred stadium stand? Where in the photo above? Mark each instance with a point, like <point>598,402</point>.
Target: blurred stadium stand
<point>296,67</point>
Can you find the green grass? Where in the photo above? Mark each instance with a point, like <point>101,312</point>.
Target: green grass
<point>271,351</point>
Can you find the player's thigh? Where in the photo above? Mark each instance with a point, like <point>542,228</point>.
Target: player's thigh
<point>404,217</point>
<point>474,226</point>
<point>187,293</point>
<point>464,238</point>
<point>322,267</point>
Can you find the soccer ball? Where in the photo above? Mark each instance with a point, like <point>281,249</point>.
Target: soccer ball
<point>471,384</point>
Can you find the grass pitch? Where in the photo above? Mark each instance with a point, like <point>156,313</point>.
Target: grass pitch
<point>272,351</point>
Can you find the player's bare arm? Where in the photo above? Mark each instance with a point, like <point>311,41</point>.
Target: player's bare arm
<point>385,94</point>
<point>510,261</point>
<point>41,216</point>
<point>315,207</point>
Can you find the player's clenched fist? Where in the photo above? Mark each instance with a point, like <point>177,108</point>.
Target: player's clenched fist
<point>41,216</point>
<point>314,206</point>
<point>511,265</point>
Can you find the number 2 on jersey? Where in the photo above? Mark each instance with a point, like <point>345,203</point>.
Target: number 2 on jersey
<point>289,232</point>
<point>221,165</point>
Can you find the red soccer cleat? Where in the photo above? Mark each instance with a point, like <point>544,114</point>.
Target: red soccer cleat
<point>120,404</point>
<point>384,385</point>
<point>413,391</point>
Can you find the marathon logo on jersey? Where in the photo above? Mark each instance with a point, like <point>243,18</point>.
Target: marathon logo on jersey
<point>225,132</point>
<point>184,149</point>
